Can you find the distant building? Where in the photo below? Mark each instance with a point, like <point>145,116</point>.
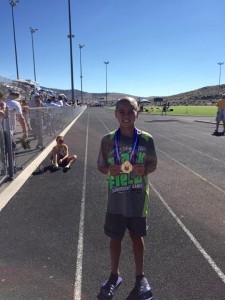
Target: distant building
<point>158,100</point>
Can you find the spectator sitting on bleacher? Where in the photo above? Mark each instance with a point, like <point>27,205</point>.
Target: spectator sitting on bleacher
<point>50,103</point>
<point>33,99</point>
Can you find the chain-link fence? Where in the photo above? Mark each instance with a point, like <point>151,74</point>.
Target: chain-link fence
<point>44,123</point>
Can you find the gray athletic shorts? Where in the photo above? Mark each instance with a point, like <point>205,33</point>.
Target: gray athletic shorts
<point>116,225</point>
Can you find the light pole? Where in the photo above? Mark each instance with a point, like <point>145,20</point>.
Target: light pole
<point>106,75</point>
<point>13,3</point>
<point>81,76</point>
<point>71,36</point>
<point>220,64</point>
<point>32,31</point>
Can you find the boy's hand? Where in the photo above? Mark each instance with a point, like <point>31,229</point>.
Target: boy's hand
<point>139,169</point>
<point>114,170</point>
<point>60,161</point>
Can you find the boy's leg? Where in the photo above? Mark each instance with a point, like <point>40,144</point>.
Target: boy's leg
<point>142,289</point>
<point>138,249</point>
<point>71,159</point>
<point>108,289</point>
<point>115,250</point>
<point>115,227</point>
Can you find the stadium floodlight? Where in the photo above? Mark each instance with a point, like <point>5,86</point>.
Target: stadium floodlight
<point>220,64</point>
<point>13,4</point>
<point>71,36</point>
<point>106,80</point>
<point>32,31</point>
<point>81,75</point>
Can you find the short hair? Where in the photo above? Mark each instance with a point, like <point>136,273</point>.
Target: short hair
<point>60,138</point>
<point>131,100</point>
<point>14,95</point>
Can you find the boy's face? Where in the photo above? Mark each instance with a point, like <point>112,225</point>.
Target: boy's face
<point>126,114</point>
<point>59,140</point>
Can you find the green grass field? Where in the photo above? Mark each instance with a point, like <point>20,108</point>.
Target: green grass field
<point>209,111</point>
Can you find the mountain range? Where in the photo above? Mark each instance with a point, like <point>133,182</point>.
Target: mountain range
<point>201,96</point>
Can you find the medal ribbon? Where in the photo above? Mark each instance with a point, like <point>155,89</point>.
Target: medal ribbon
<point>134,147</point>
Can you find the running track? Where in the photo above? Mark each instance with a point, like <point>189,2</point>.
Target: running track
<point>52,244</point>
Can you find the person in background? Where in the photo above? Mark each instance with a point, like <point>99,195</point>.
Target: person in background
<point>127,155</point>
<point>26,113</point>
<point>60,155</point>
<point>33,99</point>
<point>33,115</point>
<point>220,116</point>
<point>14,111</point>
<point>38,114</point>
<point>2,135</point>
<point>2,105</point>
<point>164,108</point>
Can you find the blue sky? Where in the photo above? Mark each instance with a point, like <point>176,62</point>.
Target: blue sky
<point>154,47</point>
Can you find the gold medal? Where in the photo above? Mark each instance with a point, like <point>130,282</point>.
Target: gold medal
<point>126,167</point>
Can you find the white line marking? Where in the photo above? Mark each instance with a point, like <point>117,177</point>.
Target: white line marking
<point>192,238</point>
<point>204,179</point>
<point>196,138</point>
<point>103,124</point>
<point>14,186</point>
<point>80,245</point>
<point>174,141</point>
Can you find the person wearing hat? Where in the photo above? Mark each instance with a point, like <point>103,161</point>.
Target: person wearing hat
<point>33,116</point>
<point>13,109</point>
<point>220,116</point>
<point>35,97</point>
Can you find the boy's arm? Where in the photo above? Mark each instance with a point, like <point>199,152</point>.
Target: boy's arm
<point>151,166</point>
<point>151,161</point>
<point>103,170</point>
<point>23,124</point>
<point>112,170</point>
<point>102,163</point>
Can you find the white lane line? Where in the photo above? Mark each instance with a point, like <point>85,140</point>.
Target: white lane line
<point>103,124</point>
<point>192,149</point>
<point>13,187</point>
<point>195,138</point>
<point>192,238</point>
<point>190,170</point>
<point>80,245</point>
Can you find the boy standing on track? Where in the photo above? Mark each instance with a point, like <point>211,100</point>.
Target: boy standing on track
<point>220,116</point>
<point>127,156</point>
